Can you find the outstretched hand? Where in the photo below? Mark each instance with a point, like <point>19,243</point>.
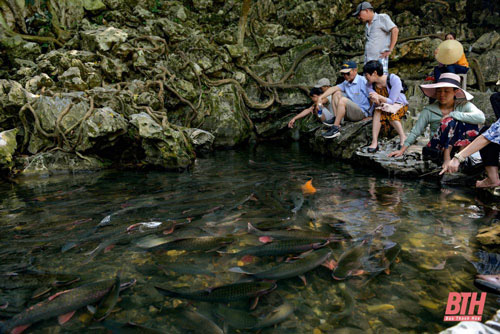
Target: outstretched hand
<point>291,123</point>
<point>450,166</point>
<point>396,153</point>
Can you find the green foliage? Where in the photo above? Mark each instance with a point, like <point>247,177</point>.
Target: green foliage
<point>156,7</point>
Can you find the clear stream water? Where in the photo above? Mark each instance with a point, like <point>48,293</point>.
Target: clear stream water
<point>219,196</point>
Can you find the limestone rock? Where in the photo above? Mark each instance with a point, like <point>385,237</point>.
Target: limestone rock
<point>12,98</point>
<point>486,42</point>
<point>202,4</point>
<point>418,49</point>
<point>225,119</point>
<point>72,79</point>
<point>39,81</point>
<point>102,129</point>
<point>489,236</point>
<point>58,162</point>
<point>16,47</point>
<point>8,146</point>
<point>93,5</point>
<point>489,64</point>
<point>202,140</point>
<point>113,68</point>
<point>102,39</point>
<point>164,148</point>
<point>48,110</point>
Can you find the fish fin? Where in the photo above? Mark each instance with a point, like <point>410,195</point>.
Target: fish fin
<point>91,309</point>
<point>252,229</point>
<point>329,264</point>
<point>358,272</point>
<point>170,230</point>
<point>397,260</point>
<point>387,271</point>
<point>133,226</point>
<point>4,306</point>
<point>303,278</point>
<point>254,303</point>
<point>238,270</point>
<point>265,239</point>
<point>20,329</point>
<point>58,294</point>
<point>62,319</point>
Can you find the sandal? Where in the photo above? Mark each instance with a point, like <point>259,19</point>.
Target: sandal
<point>486,184</point>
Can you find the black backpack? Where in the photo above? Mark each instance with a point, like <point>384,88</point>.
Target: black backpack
<point>388,83</point>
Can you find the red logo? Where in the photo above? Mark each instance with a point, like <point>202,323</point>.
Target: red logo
<point>457,306</point>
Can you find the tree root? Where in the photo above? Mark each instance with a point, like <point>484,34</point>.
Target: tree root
<point>474,64</point>
<point>248,102</point>
<point>58,132</point>
<point>153,40</point>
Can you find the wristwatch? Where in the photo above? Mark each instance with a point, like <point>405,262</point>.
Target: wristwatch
<point>459,157</point>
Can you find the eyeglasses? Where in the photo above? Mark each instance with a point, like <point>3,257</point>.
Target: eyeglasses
<point>344,74</point>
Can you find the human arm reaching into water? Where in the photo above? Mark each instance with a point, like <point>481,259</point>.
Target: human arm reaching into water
<point>452,165</point>
<point>302,114</point>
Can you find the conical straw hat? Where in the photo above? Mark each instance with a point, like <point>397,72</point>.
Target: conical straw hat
<point>449,52</point>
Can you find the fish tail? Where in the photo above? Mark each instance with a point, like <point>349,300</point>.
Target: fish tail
<point>251,228</point>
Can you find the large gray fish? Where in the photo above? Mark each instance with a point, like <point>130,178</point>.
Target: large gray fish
<point>348,308</point>
<point>225,293</point>
<point>287,270</point>
<point>283,247</point>
<point>194,244</point>
<point>488,283</point>
<point>291,234</point>
<point>61,304</point>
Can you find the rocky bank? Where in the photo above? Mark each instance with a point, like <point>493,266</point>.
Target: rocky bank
<point>89,84</point>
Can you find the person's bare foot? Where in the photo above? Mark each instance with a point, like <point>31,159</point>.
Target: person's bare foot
<point>486,183</point>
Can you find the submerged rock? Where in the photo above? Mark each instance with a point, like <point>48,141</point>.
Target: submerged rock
<point>489,236</point>
<point>8,146</point>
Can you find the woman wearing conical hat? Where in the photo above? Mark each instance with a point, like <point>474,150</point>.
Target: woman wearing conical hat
<point>451,57</point>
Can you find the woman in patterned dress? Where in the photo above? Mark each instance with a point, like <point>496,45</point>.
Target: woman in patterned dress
<point>386,93</point>
<point>454,121</point>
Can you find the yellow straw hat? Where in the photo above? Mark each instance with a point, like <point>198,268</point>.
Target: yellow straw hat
<point>449,52</point>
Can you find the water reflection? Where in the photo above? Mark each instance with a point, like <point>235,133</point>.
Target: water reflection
<point>78,225</point>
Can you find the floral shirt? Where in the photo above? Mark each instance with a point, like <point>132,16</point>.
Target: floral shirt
<point>493,133</point>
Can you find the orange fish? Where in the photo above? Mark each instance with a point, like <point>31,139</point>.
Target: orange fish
<point>308,188</point>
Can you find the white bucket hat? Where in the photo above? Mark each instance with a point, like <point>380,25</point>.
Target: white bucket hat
<point>446,80</point>
<point>449,52</point>
<point>322,82</point>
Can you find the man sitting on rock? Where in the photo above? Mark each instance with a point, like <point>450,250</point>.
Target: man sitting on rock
<point>349,99</point>
<point>325,113</point>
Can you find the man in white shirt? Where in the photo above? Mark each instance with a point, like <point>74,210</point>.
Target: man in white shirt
<point>380,32</point>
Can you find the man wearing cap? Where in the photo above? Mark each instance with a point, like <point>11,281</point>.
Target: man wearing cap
<point>349,99</point>
<point>380,32</point>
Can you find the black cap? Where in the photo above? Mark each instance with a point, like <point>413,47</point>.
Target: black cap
<point>361,6</point>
